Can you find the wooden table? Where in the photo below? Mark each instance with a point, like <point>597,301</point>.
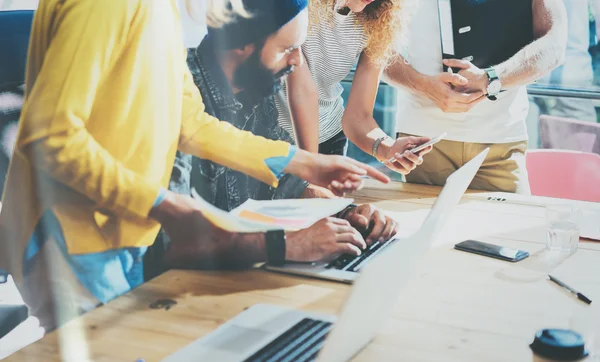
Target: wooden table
<point>460,307</point>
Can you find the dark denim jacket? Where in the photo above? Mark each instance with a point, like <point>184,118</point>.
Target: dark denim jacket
<point>219,185</point>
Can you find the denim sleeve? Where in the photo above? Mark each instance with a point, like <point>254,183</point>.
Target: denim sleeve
<point>290,187</point>
<point>278,164</point>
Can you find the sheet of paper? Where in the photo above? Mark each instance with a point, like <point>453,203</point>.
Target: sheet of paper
<point>227,221</point>
<point>590,224</point>
<point>289,214</point>
<point>260,216</point>
<point>508,198</point>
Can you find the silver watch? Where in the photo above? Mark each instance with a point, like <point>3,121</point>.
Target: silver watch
<point>495,85</point>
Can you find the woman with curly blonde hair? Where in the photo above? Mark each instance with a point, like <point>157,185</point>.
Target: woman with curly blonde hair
<point>311,105</point>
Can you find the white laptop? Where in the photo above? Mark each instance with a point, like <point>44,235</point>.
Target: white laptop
<point>271,333</point>
<point>345,268</point>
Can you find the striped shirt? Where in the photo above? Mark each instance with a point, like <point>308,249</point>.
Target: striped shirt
<point>331,51</point>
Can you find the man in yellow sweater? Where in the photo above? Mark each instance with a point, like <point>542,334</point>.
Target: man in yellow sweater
<point>109,101</point>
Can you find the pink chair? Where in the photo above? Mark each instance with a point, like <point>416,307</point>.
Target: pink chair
<point>564,174</point>
<point>569,134</point>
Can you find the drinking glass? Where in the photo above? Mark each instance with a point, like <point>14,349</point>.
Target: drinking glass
<point>563,228</point>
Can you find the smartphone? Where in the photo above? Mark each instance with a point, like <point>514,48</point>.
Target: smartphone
<point>433,141</point>
<point>491,250</point>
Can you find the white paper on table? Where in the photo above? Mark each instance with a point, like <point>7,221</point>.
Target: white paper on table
<point>290,214</point>
<point>590,224</point>
<point>303,213</point>
<point>228,221</point>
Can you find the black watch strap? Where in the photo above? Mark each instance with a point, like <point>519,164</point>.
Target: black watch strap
<point>275,240</point>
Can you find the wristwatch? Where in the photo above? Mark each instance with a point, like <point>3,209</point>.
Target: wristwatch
<point>275,240</point>
<point>494,86</point>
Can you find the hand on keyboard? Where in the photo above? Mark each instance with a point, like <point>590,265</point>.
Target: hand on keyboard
<point>353,263</point>
<point>376,226</point>
<point>366,232</point>
<point>326,238</point>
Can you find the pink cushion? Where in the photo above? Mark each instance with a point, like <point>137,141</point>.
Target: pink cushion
<point>564,174</point>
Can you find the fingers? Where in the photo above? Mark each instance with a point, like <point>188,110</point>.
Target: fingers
<point>355,178</point>
<point>359,220</point>
<point>352,237</point>
<point>377,175</point>
<point>403,163</point>
<point>457,63</point>
<point>414,158</point>
<point>469,98</point>
<point>345,248</point>
<point>354,185</point>
<point>372,172</point>
<point>345,233</point>
<point>336,221</point>
<point>458,102</point>
<point>352,166</point>
<point>355,170</point>
<point>425,151</point>
<point>379,226</point>
<point>396,228</point>
<point>390,229</point>
<point>337,188</point>
<point>406,162</point>
<point>417,140</point>
<point>350,185</point>
<point>454,79</point>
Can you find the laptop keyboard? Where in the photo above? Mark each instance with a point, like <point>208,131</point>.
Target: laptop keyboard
<point>300,343</point>
<point>353,263</point>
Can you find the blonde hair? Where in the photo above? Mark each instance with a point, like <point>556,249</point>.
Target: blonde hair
<point>385,23</point>
<point>218,12</point>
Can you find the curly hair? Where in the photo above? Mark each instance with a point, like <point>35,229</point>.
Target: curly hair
<point>385,23</point>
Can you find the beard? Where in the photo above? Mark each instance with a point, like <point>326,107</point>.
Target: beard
<point>256,80</point>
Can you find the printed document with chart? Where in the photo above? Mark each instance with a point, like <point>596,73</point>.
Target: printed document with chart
<point>260,216</point>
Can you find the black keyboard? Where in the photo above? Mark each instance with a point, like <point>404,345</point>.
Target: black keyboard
<point>353,263</point>
<point>300,343</point>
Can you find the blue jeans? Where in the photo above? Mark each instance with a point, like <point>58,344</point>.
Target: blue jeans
<point>105,275</point>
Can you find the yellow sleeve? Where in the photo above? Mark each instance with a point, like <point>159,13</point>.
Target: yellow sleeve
<point>206,137</point>
<point>84,38</point>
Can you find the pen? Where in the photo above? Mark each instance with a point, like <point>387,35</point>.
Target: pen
<point>580,296</point>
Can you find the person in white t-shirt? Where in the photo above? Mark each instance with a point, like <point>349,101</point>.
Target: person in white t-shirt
<point>431,101</point>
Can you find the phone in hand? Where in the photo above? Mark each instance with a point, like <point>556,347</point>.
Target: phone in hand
<point>433,141</point>
<point>491,250</point>
<point>420,147</point>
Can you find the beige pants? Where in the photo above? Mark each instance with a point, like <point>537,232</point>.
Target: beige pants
<point>52,291</point>
<point>503,169</point>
